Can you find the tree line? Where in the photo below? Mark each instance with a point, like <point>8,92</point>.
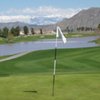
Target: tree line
<point>15,31</point>
<point>6,31</point>
<point>82,28</point>
<point>85,29</point>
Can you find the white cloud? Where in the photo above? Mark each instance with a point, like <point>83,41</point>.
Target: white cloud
<point>24,15</point>
<point>20,18</point>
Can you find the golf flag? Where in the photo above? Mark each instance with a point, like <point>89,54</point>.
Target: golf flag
<point>60,32</point>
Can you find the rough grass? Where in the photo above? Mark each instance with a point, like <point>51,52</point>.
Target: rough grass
<point>97,41</point>
<point>3,57</point>
<point>27,38</point>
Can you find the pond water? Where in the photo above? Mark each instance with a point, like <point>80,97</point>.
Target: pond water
<point>8,49</point>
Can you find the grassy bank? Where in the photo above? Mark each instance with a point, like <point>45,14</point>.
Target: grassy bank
<point>97,41</point>
<point>27,38</point>
<point>3,57</point>
<point>82,34</point>
<point>39,37</point>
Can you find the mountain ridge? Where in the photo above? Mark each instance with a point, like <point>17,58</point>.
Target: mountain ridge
<point>85,18</point>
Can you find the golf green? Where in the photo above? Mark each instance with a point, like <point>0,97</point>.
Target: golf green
<point>30,77</point>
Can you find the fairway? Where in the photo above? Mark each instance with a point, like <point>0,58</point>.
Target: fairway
<point>30,77</point>
<point>83,60</point>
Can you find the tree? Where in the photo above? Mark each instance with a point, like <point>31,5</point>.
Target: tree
<point>41,32</point>
<point>32,31</point>
<point>5,32</point>
<point>12,31</point>
<point>1,35</point>
<point>26,30</point>
<point>99,26</point>
<point>17,31</point>
<point>67,29</point>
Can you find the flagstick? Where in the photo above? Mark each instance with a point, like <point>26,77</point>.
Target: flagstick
<point>55,64</point>
<point>55,61</point>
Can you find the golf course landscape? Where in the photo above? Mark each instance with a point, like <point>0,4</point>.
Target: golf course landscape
<point>29,77</point>
<point>50,50</point>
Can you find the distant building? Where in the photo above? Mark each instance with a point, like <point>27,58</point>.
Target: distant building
<point>21,33</point>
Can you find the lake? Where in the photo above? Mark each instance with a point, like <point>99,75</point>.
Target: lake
<point>9,49</point>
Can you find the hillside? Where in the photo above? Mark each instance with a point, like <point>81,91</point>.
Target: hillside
<point>13,24</point>
<point>85,18</point>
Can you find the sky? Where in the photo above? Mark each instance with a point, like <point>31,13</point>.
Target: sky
<point>12,10</point>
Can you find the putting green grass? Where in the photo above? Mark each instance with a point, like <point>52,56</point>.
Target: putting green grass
<point>30,77</point>
<point>68,87</point>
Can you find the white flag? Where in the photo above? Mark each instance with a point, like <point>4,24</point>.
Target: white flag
<point>60,32</point>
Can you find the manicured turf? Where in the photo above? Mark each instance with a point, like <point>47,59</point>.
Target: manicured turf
<point>38,87</point>
<point>30,77</point>
<point>68,60</point>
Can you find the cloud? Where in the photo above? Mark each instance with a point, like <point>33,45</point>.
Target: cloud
<point>20,18</point>
<point>44,11</point>
<point>24,15</point>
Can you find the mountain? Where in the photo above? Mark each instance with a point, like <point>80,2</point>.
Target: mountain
<point>13,24</point>
<point>45,20</point>
<point>46,23</point>
<point>85,18</point>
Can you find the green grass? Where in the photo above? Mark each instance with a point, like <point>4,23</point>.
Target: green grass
<point>32,38</point>
<point>27,38</point>
<point>78,75</point>
<point>69,60</point>
<point>81,34</point>
<point>97,41</point>
<point>3,57</point>
<point>68,87</point>
<point>2,40</point>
